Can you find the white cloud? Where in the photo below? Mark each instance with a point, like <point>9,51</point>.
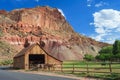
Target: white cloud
<point>61,11</point>
<point>89,2</point>
<point>98,37</point>
<point>100,30</point>
<point>101,3</point>
<point>107,25</point>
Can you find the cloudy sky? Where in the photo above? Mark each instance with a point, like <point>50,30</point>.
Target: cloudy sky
<point>98,19</point>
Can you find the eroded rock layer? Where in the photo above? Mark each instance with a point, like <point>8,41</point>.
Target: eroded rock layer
<point>47,26</point>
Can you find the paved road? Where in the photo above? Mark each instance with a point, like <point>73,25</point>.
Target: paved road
<point>8,75</point>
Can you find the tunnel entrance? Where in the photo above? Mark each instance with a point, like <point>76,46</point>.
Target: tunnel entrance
<point>35,59</point>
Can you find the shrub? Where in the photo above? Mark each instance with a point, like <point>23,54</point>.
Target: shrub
<point>7,62</point>
<point>1,33</point>
<point>89,57</point>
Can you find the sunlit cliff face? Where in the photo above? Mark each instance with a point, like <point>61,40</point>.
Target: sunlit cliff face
<point>49,26</point>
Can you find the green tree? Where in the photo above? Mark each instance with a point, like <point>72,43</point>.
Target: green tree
<point>88,57</point>
<point>116,50</point>
<point>106,50</point>
<point>105,54</point>
<point>116,47</point>
<point>100,57</point>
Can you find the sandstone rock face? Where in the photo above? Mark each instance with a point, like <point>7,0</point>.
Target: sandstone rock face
<point>47,26</point>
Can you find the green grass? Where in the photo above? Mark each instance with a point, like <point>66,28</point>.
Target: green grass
<point>98,69</point>
<point>90,64</point>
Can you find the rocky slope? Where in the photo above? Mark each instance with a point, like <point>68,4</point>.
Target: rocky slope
<point>48,27</point>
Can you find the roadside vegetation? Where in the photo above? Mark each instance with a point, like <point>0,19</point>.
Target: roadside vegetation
<point>6,62</point>
<point>6,53</point>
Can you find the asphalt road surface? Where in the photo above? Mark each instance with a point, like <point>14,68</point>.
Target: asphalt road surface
<point>8,75</point>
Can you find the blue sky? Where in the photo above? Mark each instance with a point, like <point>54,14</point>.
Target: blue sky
<point>99,19</point>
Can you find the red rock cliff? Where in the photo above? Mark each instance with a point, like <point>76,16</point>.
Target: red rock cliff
<point>46,25</point>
